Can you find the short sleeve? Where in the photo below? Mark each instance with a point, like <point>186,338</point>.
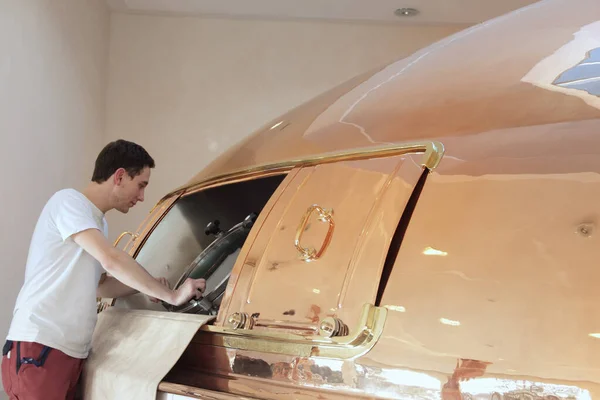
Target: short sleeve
<point>73,215</point>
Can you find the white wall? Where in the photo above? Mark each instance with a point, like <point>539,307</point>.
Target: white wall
<point>188,88</point>
<point>53,56</point>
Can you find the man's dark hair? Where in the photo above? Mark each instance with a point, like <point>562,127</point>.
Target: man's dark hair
<point>121,154</point>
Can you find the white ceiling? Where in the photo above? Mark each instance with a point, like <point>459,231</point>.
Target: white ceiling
<point>431,11</point>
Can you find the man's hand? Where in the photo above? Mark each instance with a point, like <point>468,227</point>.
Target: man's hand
<point>190,289</point>
<point>165,282</point>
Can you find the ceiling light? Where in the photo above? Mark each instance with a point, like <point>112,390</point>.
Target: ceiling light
<point>406,12</point>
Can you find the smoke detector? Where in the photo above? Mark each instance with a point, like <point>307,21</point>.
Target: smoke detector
<point>406,12</point>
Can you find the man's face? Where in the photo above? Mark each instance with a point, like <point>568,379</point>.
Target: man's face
<point>128,190</point>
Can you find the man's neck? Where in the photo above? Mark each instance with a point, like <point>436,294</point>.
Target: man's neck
<point>99,195</point>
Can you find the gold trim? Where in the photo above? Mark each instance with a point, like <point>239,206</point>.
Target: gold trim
<point>360,341</point>
<point>433,152</point>
<point>133,235</point>
<point>310,254</point>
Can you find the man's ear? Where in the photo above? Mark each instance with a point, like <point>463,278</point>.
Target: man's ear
<point>119,175</point>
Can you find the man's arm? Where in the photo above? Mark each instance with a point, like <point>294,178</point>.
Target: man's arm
<point>125,269</point>
<point>112,288</point>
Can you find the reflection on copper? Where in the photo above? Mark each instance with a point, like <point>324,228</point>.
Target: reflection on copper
<point>411,378</point>
<point>430,251</point>
<point>464,371</point>
<point>396,308</point>
<point>583,76</point>
<point>399,383</point>
<point>572,69</point>
<point>450,322</point>
<point>277,124</point>
<point>495,388</point>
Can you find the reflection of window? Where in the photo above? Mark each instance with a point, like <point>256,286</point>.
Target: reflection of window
<point>584,76</point>
<point>522,389</point>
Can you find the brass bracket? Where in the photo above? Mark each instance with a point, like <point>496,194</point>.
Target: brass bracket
<point>358,341</point>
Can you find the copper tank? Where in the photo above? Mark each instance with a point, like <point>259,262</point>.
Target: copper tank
<point>424,231</point>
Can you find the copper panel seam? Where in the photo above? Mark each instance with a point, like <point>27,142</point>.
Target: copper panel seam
<point>251,285</point>
<point>257,229</point>
<point>376,207</point>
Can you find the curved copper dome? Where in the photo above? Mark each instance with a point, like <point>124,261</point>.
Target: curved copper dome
<point>491,92</point>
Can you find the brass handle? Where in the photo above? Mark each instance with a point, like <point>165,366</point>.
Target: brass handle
<point>310,254</point>
<point>133,235</point>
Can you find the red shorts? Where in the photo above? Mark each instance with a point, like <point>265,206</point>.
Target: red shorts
<point>31,371</point>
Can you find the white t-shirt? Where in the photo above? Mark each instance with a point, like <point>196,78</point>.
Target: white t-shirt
<point>56,306</point>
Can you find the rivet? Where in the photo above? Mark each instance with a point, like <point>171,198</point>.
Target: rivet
<point>331,327</point>
<point>585,229</point>
<point>235,320</point>
<point>239,320</point>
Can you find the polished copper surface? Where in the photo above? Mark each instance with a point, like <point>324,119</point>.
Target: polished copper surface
<point>474,91</point>
<point>492,291</point>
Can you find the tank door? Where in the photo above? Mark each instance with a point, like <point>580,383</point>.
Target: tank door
<point>320,252</point>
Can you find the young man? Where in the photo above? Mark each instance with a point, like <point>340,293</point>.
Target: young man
<point>55,313</point>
